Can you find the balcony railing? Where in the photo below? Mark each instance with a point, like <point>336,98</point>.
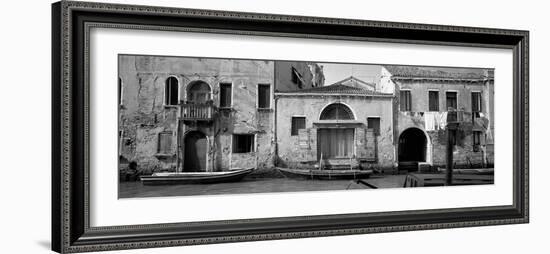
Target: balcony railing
<point>197,112</point>
<point>462,116</point>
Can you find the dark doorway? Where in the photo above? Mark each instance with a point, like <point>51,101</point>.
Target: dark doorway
<point>412,145</point>
<point>195,152</point>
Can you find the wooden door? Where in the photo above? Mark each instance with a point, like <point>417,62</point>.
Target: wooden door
<point>335,143</point>
<point>195,152</point>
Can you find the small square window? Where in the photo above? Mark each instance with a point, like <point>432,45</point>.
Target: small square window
<point>243,143</point>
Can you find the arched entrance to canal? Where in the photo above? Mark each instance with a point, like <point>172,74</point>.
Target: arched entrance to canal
<point>413,148</point>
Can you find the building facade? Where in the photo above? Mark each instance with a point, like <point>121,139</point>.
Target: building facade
<point>203,114</point>
<point>425,98</point>
<point>337,126</point>
<point>199,114</point>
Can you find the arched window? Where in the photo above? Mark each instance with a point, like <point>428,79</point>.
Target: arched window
<point>198,92</point>
<point>337,111</point>
<point>171,91</point>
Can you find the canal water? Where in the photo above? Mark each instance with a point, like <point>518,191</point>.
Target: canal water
<point>255,185</point>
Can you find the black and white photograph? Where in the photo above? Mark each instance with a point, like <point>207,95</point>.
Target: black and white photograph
<point>190,125</point>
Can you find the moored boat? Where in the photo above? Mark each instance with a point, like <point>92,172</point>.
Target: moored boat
<point>195,177</point>
<point>328,174</point>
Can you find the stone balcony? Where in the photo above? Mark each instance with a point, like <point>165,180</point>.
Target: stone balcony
<point>197,112</point>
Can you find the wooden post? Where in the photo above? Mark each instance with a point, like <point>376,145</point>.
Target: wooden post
<point>451,133</point>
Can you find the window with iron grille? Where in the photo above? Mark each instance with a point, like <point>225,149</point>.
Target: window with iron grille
<point>298,122</point>
<point>476,140</point>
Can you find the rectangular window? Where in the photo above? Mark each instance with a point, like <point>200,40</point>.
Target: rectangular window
<point>264,96</point>
<point>476,140</point>
<point>433,101</point>
<point>374,124</point>
<point>476,102</point>
<point>225,95</point>
<point>243,143</point>
<point>298,122</point>
<point>165,143</point>
<point>405,100</point>
<point>451,101</point>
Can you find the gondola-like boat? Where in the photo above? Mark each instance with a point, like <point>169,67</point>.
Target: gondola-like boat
<point>195,177</point>
<point>330,174</point>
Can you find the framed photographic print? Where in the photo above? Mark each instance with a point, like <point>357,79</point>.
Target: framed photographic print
<point>182,126</point>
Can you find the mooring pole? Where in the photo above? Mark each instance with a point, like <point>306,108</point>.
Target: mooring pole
<point>451,139</point>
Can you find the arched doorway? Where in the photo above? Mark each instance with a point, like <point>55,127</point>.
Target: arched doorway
<point>195,152</point>
<point>412,148</point>
<point>198,92</point>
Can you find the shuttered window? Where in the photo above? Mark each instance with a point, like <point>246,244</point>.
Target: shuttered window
<point>225,95</point>
<point>165,143</point>
<point>476,102</point>
<point>433,100</point>
<point>405,100</point>
<point>298,122</point>
<point>264,96</point>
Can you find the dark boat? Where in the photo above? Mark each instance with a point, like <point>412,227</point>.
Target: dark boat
<point>195,177</point>
<point>329,174</point>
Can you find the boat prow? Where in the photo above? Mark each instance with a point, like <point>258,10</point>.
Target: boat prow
<point>195,177</point>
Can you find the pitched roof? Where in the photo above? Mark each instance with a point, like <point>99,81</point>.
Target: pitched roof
<point>418,72</point>
<point>354,79</point>
<point>335,89</point>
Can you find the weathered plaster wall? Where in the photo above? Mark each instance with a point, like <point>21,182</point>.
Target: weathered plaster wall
<point>464,155</point>
<point>143,114</point>
<point>289,147</point>
<point>419,93</point>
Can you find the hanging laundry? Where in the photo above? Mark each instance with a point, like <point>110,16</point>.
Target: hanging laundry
<point>442,120</point>
<point>430,121</point>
